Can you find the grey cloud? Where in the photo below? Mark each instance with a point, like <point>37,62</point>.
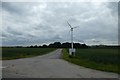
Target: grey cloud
<point>14,32</point>
<point>37,23</point>
<point>113,6</point>
<point>12,7</point>
<point>19,8</point>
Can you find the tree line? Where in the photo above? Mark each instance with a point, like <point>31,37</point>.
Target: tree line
<point>60,45</point>
<point>66,45</point>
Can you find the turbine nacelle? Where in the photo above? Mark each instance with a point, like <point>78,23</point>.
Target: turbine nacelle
<point>71,26</point>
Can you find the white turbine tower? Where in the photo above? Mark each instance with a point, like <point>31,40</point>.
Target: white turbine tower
<point>72,50</point>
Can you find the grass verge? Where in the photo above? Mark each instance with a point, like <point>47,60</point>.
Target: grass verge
<point>90,64</point>
<point>16,53</point>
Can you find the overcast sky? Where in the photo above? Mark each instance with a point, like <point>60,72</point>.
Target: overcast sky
<point>35,23</point>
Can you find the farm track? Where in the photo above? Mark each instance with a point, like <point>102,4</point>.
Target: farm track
<point>49,66</point>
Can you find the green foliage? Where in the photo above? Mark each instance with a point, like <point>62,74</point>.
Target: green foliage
<point>100,59</point>
<point>16,53</point>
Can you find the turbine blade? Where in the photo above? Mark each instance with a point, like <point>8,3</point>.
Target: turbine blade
<point>69,24</point>
<point>76,27</point>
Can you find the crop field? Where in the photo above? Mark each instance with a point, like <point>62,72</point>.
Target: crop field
<point>16,53</point>
<point>101,59</point>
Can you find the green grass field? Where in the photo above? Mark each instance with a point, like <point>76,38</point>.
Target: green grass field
<point>100,59</point>
<point>16,53</point>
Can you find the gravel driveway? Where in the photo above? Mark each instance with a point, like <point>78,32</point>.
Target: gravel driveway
<point>49,66</point>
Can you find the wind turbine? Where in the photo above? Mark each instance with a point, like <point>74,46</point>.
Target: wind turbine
<point>72,48</point>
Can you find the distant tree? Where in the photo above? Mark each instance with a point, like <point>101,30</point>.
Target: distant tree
<point>61,45</point>
<point>35,46</point>
<point>18,46</point>
<point>40,46</point>
<point>51,45</point>
<point>44,46</point>
<point>57,45</point>
<point>77,45</point>
<point>84,46</point>
<point>31,46</point>
<point>66,45</point>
